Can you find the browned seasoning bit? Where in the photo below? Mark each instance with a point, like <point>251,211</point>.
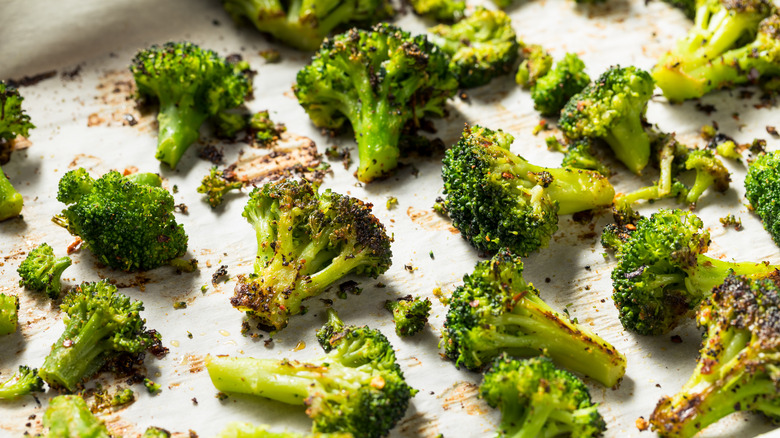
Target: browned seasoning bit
<point>219,274</point>
<point>772,131</point>
<point>642,424</point>
<point>75,246</point>
<point>676,339</point>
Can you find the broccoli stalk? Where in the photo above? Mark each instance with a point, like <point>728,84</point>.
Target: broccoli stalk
<point>410,314</point>
<point>9,314</point>
<point>215,187</point>
<point>306,241</point>
<point>41,271</point>
<point>24,382</point>
<point>13,121</point>
<point>762,190</point>
<point>69,416</point>
<point>246,430</point>
<point>497,311</point>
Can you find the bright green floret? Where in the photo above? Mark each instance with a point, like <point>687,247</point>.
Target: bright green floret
<point>377,81</point>
<point>215,187</point>
<point>126,221</point>
<point>100,324</point>
<point>496,311</point>
<point>739,360</point>
<point>446,11</point>
<point>410,314</point>
<point>481,46</point>
<point>13,121</point>
<point>69,417</point>
<point>41,271</point>
<point>762,190</point>
<point>306,242</point>
<point>246,430</point>
<point>538,400</point>
<point>191,85</point>
<point>498,199</point>
<point>152,387</point>
<point>357,387</point>
<point>536,62</point>
<point>9,314</point>
<point>24,382</point>
<point>612,109</point>
<point>551,91</point>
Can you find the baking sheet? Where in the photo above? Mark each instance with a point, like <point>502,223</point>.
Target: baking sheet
<point>81,121</point>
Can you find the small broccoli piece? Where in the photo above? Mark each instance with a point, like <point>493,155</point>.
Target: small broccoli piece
<point>481,47</point>
<point>579,155</point>
<point>662,273</point>
<point>101,324</point>
<point>377,81</point>
<point>263,130</point>
<point>215,187</point>
<point>730,43</point>
<point>688,7</point>
<point>710,172</point>
<point>126,221</point>
<point>612,109</point>
<point>151,386</point>
<point>446,11</point>
<point>227,125</point>
<point>69,417</point>
<point>306,242</point>
<point>24,382</point>
<point>13,121</point>
<point>538,400</point>
<point>41,271</point>
<point>551,91</point>
<point>121,398</point>
<point>356,388</point>
<point>9,314</point>
<point>246,430</point>
<point>498,199</point>
<point>762,190</point>
<point>737,368</point>
<point>497,311</point>
<point>536,62</point>
<point>157,432</point>
<point>191,85</point>
<point>410,314</point>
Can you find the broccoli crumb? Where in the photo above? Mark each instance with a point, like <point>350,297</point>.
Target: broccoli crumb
<point>219,274</point>
<point>708,132</point>
<point>271,56</point>
<point>541,126</point>
<point>642,424</point>
<point>430,254</point>
<point>553,144</point>
<point>350,286</point>
<point>439,206</point>
<point>221,396</point>
<point>180,305</point>
<point>204,288</point>
<point>771,130</point>
<point>731,221</point>
<point>175,188</point>
<point>392,202</point>
<point>151,386</point>
<point>341,294</point>
<point>189,335</point>
<point>123,397</point>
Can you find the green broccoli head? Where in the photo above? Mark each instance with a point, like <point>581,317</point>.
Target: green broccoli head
<point>498,199</point>
<point>24,382</point>
<point>126,221</point>
<point>762,190</point>
<point>410,314</point>
<point>538,400</point>
<point>551,91</point>
<point>446,11</point>
<point>737,368</point>
<point>41,271</point>
<point>536,62</point>
<point>496,311</point>
<point>68,416</point>
<point>100,324</point>
<point>13,121</point>
<point>613,109</point>
<point>191,84</point>
<point>481,46</point>
<point>246,430</point>
<point>9,314</point>
<point>378,80</point>
<point>306,242</point>
<point>215,187</point>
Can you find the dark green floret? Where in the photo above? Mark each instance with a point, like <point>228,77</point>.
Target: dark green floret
<point>215,187</point>
<point>41,271</point>
<point>68,416</point>
<point>579,155</point>
<point>9,314</point>
<point>688,7</point>
<point>246,430</point>
<point>264,131</point>
<point>24,382</point>
<point>762,190</point>
<point>410,314</point>
<point>446,11</point>
<point>13,122</point>
<point>551,91</point>
<point>538,400</point>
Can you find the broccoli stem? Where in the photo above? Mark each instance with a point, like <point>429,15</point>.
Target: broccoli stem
<point>179,125</point>
<point>629,141</point>
<point>710,273</point>
<point>377,135</point>
<point>535,420</point>
<point>10,199</point>
<point>9,314</point>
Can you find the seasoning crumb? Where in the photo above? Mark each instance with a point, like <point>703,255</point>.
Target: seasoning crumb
<point>221,396</point>
<point>642,424</point>
<point>772,131</point>
<point>732,221</point>
<point>195,401</point>
<point>219,274</point>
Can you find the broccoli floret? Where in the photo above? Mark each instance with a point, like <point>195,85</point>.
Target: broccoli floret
<point>69,417</point>
<point>191,84</point>
<point>24,382</point>
<point>612,109</point>
<point>662,273</point>
<point>762,190</point>
<point>497,311</point>
<point>376,80</point>
<point>263,130</point>
<point>446,11</point>
<point>579,155</point>
<point>246,430</point>
<point>536,62</point>
<point>498,199</point>
<point>157,432</point>
<point>227,125</point>
<point>152,387</point>
<point>538,400</point>
<point>126,221</point>
<point>9,314</point>
<point>215,187</point>
<point>13,121</point>
<point>306,242</point>
<point>481,47</point>
<point>551,91</point>
<point>356,388</point>
<point>729,44</point>
<point>410,314</point>
<point>688,7</point>
<point>101,324</point>
<point>41,271</point>
<point>737,368</point>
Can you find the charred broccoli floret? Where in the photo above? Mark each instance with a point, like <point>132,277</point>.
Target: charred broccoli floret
<point>68,416</point>
<point>215,187</point>
<point>536,62</point>
<point>498,199</point>
<point>41,271</point>
<point>497,311</point>
<point>100,324</point>
<point>9,314</point>
<point>306,241</point>
<point>737,368</point>
<point>612,109</point>
<point>24,382</point>
<point>246,430</point>
<point>446,11</point>
<point>126,221</point>
<point>191,85</point>
<point>377,81</point>
<point>356,388</point>
<point>762,190</point>
<point>481,47</point>
<point>551,91</point>
<point>410,314</point>
<point>538,400</point>
<point>13,121</point>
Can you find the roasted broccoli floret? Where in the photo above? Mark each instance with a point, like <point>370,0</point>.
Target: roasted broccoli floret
<point>306,241</point>
<point>100,324</point>
<point>481,47</point>
<point>377,81</point>
<point>446,11</point>
<point>662,273</point>
<point>498,199</point>
<point>551,91</point>
<point>69,417</point>
<point>191,85</point>
<point>227,125</point>
<point>579,155</point>
<point>356,388</point>
<point>762,190</point>
<point>246,430</point>
<point>497,311</point>
<point>613,109</point>
<point>24,382</point>
<point>538,400</point>
<point>688,7</point>
<point>263,130</point>
<point>156,432</point>
<point>9,314</point>
<point>13,121</point>
<point>126,221</point>
<point>737,368</point>
<point>215,187</point>
<point>536,62</point>
<point>41,271</point>
<point>410,314</point>
<point>730,43</point>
